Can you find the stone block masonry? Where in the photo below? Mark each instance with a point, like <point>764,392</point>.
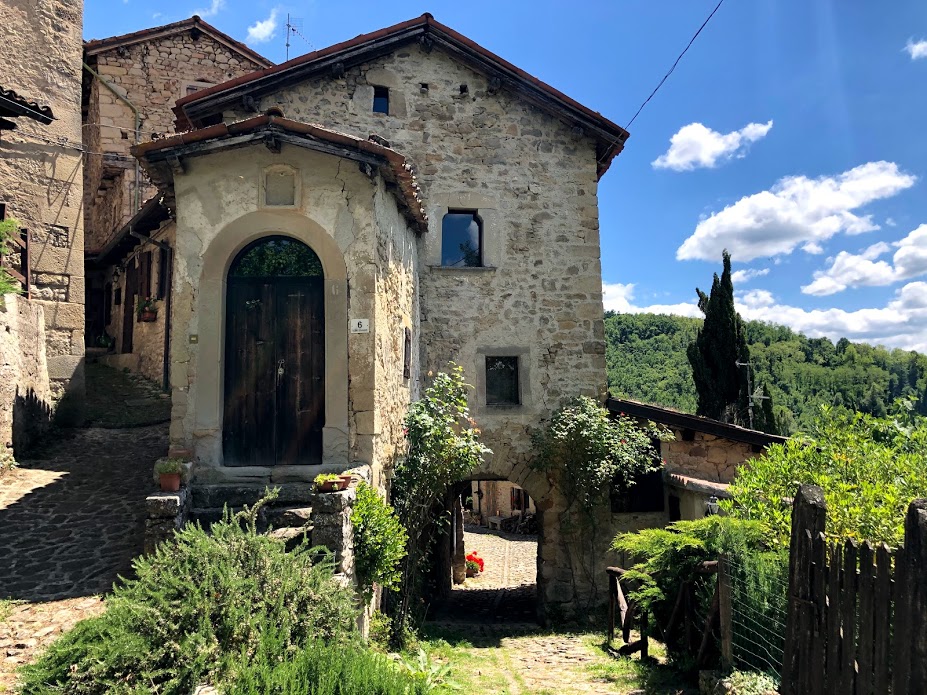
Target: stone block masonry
<point>41,174</point>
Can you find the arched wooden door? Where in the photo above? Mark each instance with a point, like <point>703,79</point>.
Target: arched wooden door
<point>274,355</point>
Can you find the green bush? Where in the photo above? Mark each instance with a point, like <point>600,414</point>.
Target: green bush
<point>195,601</point>
<point>8,228</point>
<point>593,451</point>
<point>869,468</point>
<point>379,541</point>
<point>317,669</point>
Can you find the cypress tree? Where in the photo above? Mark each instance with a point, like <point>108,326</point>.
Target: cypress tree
<point>720,343</point>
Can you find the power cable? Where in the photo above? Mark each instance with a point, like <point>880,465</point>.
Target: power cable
<point>670,71</point>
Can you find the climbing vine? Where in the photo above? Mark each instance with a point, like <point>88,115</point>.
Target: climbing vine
<point>443,447</point>
<point>588,452</point>
<point>8,228</point>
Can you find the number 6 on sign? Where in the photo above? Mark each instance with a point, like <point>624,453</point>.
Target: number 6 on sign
<point>360,325</point>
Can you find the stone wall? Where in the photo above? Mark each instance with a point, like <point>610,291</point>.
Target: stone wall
<point>25,396</point>
<point>152,75</point>
<point>395,290</point>
<point>706,456</point>
<point>147,354</point>
<point>41,175</point>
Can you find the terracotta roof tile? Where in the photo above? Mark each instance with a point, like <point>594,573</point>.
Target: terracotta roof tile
<point>18,105</point>
<point>399,170</point>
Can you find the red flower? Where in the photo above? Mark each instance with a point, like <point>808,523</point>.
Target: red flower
<point>473,557</point>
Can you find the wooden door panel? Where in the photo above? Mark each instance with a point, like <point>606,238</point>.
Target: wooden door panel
<point>249,430</point>
<point>300,389</point>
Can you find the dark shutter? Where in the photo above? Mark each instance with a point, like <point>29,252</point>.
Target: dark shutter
<point>108,304</point>
<point>407,355</point>
<point>163,279</point>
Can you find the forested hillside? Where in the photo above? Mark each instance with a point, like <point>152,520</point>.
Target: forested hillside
<point>647,362</point>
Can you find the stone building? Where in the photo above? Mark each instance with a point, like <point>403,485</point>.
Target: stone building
<point>356,218</point>
<point>130,85</point>
<point>40,186</point>
<point>699,464</point>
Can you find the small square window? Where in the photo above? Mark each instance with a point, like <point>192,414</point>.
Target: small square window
<point>502,386</point>
<point>462,239</point>
<point>381,100</point>
<point>280,188</point>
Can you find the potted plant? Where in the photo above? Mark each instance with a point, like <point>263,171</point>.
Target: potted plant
<point>475,564</point>
<point>147,311</point>
<point>169,471</point>
<point>329,482</point>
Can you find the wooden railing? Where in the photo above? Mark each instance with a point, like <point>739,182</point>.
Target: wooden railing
<point>20,246</point>
<point>696,633</point>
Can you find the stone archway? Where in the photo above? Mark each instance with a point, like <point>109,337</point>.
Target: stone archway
<point>204,400</point>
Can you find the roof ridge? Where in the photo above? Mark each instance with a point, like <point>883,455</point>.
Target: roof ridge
<point>94,46</point>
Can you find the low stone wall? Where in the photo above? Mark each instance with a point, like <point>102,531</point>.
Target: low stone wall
<point>25,396</point>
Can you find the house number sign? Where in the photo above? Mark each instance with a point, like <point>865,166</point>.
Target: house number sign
<point>360,325</point>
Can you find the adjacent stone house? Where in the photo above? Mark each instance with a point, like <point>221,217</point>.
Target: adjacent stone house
<point>699,464</point>
<point>356,218</point>
<point>41,367</point>
<point>130,85</point>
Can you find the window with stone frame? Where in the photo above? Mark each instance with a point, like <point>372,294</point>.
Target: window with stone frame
<point>502,381</point>
<point>194,86</point>
<point>462,239</point>
<point>381,100</point>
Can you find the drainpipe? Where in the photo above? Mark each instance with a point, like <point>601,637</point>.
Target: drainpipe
<point>138,121</point>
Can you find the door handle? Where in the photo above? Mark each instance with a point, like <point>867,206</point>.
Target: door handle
<point>281,365</point>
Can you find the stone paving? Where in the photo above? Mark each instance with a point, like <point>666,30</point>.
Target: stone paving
<point>71,520</point>
<point>506,590</point>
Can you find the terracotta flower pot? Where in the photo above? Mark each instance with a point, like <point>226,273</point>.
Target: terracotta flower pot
<point>331,486</point>
<point>347,479</point>
<point>148,316</point>
<point>170,482</point>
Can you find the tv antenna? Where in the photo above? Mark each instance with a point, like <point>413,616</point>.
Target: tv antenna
<point>294,25</point>
<point>753,395</point>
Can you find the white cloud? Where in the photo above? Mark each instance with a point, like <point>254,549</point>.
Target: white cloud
<point>696,147</point>
<point>916,49</point>
<point>901,323</point>
<point>263,31</point>
<point>617,297</point>
<point>741,276</point>
<point>796,211</point>
<point>214,7</point>
<point>863,270</point>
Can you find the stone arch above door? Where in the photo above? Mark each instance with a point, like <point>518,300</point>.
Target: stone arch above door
<point>209,309</point>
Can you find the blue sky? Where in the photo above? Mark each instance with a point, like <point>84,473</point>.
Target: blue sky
<point>793,133</point>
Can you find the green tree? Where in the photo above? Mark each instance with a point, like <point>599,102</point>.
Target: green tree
<point>718,346</point>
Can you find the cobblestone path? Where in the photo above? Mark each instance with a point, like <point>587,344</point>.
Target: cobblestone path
<point>71,520</point>
<point>506,589</point>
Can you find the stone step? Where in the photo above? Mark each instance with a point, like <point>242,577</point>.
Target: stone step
<point>286,517</point>
<point>236,495</point>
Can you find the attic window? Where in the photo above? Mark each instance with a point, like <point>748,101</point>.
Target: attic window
<point>381,100</point>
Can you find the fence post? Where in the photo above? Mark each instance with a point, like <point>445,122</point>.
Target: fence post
<point>910,648</point>
<point>725,613</point>
<point>809,517</point>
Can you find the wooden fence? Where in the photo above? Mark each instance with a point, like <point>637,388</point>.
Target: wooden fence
<point>857,617</point>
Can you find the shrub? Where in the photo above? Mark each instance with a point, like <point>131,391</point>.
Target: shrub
<point>169,466</point>
<point>194,601</point>
<point>379,541</point>
<point>593,451</point>
<point>665,558</point>
<point>444,447</point>
<point>319,669</point>
<point>869,468</point>
<point>8,284</point>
